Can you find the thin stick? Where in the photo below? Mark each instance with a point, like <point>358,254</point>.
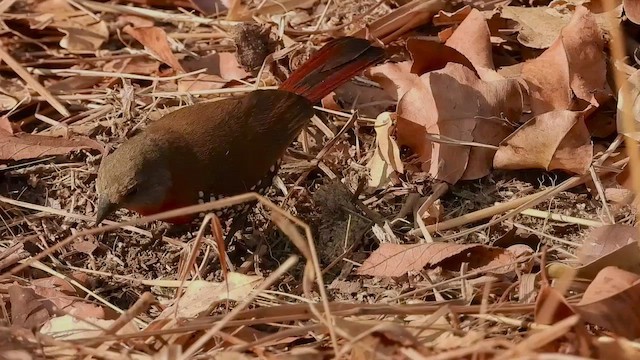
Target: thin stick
<point>32,82</point>
<point>563,218</point>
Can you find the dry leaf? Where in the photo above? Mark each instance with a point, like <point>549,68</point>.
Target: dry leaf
<point>611,301</point>
<point>155,41</point>
<point>560,311</point>
<point>28,146</point>
<point>605,239</point>
<point>473,40</point>
<point>555,140</point>
<point>386,157</point>
<point>429,56</point>
<point>454,105</point>
<point>201,82</point>
<point>632,10</point>
<point>211,7</point>
<point>395,78</point>
<point>571,74</point>
<point>626,257</point>
<point>385,341</point>
<point>28,310</point>
<point>137,65</point>
<point>224,65</point>
<point>201,296</point>
<point>393,260</point>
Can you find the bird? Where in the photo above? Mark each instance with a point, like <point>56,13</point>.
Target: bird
<point>227,147</point>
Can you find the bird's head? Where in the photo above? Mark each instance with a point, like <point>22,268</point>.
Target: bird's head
<point>132,177</point>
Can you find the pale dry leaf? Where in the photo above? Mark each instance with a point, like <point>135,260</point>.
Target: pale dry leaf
<point>386,158</point>
<point>201,296</point>
<point>611,301</point>
<point>12,92</point>
<point>68,327</point>
<point>554,140</point>
<point>443,18</point>
<point>538,26</point>
<point>629,106</point>
<point>454,105</point>
<point>83,33</point>
<point>155,41</point>
<point>28,146</point>
<point>571,74</point>
<point>393,260</point>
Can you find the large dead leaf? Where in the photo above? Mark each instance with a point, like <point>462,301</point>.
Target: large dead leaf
<point>473,40</point>
<point>28,146</point>
<point>201,296</point>
<point>571,74</point>
<point>611,301</point>
<point>555,140</point>
<point>454,105</point>
<point>155,41</point>
<point>398,259</point>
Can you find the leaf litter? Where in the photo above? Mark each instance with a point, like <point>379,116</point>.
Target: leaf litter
<point>486,116</point>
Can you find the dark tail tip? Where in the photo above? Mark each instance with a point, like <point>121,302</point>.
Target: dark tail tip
<point>331,66</point>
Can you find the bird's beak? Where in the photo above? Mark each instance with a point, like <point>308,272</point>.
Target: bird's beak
<point>105,208</point>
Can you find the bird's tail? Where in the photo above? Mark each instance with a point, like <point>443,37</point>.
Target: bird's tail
<point>331,66</point>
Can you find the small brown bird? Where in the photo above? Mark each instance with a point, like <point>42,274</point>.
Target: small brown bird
<point>226,147</point>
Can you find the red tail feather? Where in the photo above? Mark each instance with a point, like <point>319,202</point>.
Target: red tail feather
<point>333,65</point>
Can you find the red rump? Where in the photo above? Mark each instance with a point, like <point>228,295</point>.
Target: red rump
<point>331,66</point>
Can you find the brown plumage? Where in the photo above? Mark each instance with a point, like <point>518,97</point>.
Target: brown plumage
<point>224,147</point>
